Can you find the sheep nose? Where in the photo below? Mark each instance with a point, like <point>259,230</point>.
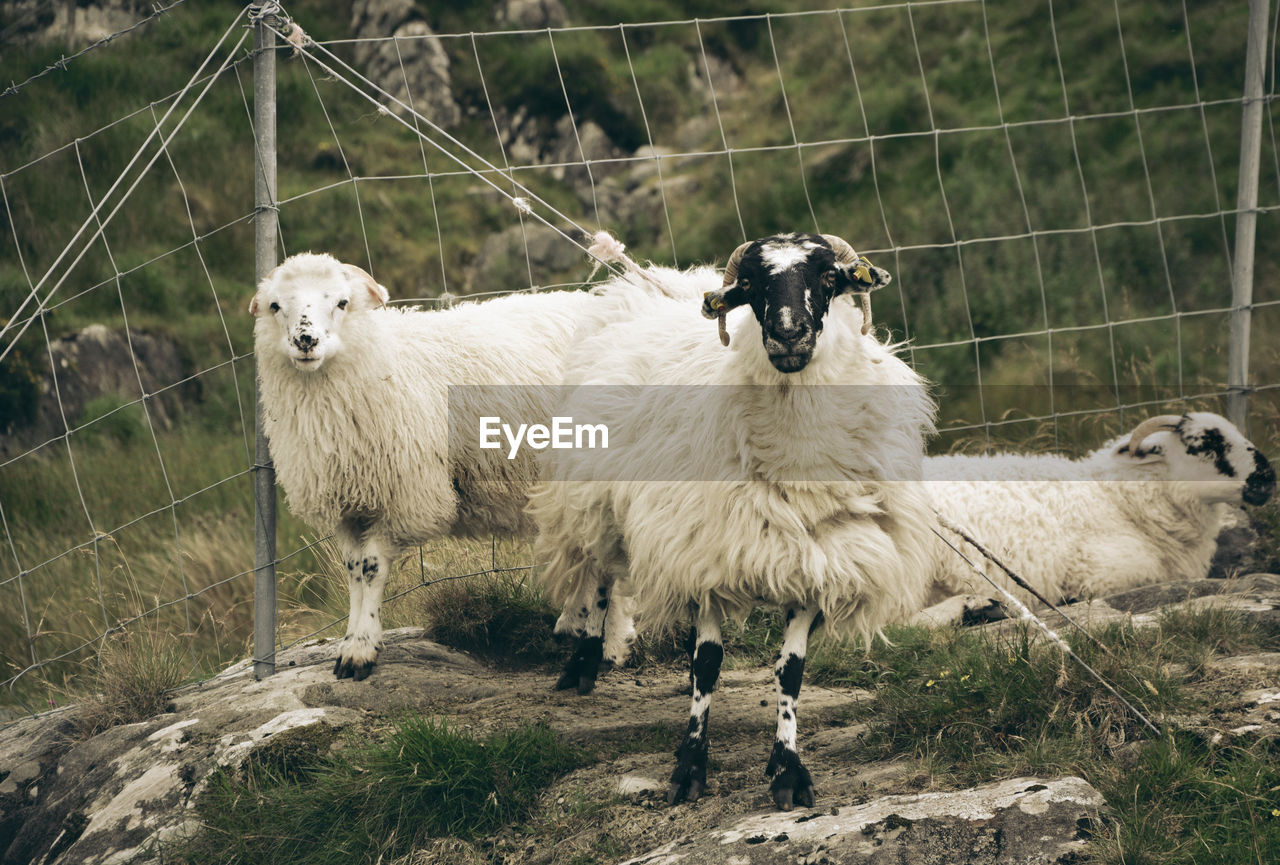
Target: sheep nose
<point>790,332</point>
<point>304,341</point>
<point>1261,484</point>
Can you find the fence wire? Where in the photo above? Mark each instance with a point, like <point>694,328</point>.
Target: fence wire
<point>1053,290</point>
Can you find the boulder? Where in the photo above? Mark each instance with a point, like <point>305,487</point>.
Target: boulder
<point>531,14</point>
<point>94,362</point>
<point>1028,821</point>
<point>506,258</point>
<point>104,799</point>
<point>74,23</point>
<point>412,65</point>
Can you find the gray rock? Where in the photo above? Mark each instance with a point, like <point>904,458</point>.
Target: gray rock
<point>531,14</point>
<point>412,66</point>
<point>94,362</point>
<point>1237,547</point>
<point>506,258</point>
<point>1023,820</point>
<point>73,23</point>
<point>102,799</point>
<point>1263,588</point>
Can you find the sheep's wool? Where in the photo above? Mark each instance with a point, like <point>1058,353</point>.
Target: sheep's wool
<point>1094,526</point>
<point>366,435</point>
<point>779,489</point>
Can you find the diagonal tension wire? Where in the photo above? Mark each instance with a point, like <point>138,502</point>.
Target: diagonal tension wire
<point>521,204</point>
<point>93,215</point>
<point>960,530</point>
<point>1025,613</point>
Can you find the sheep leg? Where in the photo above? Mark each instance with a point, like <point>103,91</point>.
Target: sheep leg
<point>619,628</point>
<point>352,548</point>
<point>588,618</point>
<point>689,779</point>
<point>792,783</point>
<point>367,570</point>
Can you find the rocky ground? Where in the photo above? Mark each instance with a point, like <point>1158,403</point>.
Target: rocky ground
<point>100,800</point>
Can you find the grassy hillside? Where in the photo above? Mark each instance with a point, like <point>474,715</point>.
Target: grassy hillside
<point>913,119</point>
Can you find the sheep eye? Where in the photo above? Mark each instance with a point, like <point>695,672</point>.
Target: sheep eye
<point>744,284</point>
<point>342,304</point>
<point>828,279</point>
<point>275,307</point>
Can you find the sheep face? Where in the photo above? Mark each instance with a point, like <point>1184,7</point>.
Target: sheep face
<point>789,281</point>
<point>302,304</point>
<point>1208,450</point>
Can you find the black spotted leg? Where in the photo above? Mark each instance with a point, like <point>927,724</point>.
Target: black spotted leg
<point>689,779</point>
<point>368,561</point>
<point>585,620</point>
<point>792,784</point>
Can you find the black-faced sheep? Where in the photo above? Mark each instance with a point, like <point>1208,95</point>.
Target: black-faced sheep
<point>1145,508</point>
<point>782,472</point>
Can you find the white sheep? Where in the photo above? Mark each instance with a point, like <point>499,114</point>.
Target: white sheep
<point>1144,508</point>
<point>782,472</point>
<point>358,408</point>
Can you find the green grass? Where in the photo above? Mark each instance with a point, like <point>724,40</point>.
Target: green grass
<point>129,680</point>
<point>1188,801</point>
<point>502,616</point>
<point>371,802</point>
<point>973,706</point>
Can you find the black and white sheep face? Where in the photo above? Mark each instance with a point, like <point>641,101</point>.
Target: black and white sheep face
<point>790,281</point>
<point>306,299</point>
<point>1208,450</point>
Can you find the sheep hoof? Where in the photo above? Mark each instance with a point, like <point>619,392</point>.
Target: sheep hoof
<point>689,779</point>
<point>689,793</point>
<point>785,797</point>
<point>583,667</point>
<point>792,784</point>
<point>347,668</point>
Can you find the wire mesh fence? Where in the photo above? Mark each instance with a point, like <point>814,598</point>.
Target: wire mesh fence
<point>1055,187</point>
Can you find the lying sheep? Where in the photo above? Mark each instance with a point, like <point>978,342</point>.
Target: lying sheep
<point>357,407</point>
<point>784,488</point>
<point>1145,508</point>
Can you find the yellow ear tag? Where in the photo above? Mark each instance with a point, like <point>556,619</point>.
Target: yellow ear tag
<point>715,301</point>
<point>863,275</point>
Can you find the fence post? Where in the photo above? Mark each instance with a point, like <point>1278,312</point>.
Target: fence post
<point>1246,217</point>
<point>265,222</point>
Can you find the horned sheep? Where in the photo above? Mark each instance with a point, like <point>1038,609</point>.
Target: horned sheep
<point>782,472</point>
<point>1146,507</point>
<point>357,408</point>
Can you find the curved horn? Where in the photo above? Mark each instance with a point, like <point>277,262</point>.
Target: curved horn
<point>731,268</point>
<point>844,252</point>
<point>1149,426</point>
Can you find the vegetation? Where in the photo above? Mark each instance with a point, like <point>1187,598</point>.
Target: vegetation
<point>973,706</point>
<point>368,803</point>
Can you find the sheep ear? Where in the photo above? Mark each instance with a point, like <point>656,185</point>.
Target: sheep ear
<point>377,292</point>
<point>865,276</point>
<point>716,303</point>
<point>253,305</point>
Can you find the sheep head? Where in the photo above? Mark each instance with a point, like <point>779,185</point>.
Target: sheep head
<point>301,305</point>
<point>1205,449</point>
<point>789,281</point>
